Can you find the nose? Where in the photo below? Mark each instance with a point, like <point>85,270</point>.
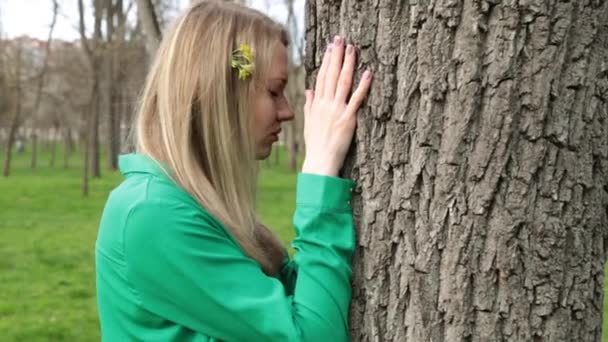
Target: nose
<point>285,113</point>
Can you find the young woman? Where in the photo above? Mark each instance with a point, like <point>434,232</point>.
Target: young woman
<point>181,255</point>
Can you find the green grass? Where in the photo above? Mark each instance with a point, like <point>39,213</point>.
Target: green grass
<point>47,237</point>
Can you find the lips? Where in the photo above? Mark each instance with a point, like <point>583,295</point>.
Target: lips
<point>275,135</point>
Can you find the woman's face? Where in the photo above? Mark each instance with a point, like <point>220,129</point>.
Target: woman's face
<point>271,106</point>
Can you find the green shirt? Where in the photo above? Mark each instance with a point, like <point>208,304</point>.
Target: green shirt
<point>168,271</point>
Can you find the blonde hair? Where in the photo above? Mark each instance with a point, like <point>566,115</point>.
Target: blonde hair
<point>195,116</point>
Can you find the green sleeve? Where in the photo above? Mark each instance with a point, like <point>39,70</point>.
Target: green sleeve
<point>185,267</point>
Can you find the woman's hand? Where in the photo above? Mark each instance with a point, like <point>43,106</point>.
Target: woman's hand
<point>329,121</point>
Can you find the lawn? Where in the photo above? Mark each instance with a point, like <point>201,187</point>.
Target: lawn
<point>47,236</point>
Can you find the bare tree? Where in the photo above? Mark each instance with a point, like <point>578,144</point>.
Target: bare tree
<point>149,22</point>
<point>41,79</point>
<point>67,93</point>
<point>91,151</point>
<point>110,84</point>
<point>481,159</point>
<point>16,119</point>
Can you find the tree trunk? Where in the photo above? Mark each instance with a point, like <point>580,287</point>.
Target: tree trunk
<point>67,147</point>
<point>85,161</point>
<point>53,144</point>
<point>89,157</point>
<point>111,81</point>
<point>295,127</point>
<point>93,52</point>
<point>40,86</point>
<point>292,163</point>
<point>34,148</point>
<point>94,133</point>
<point>481,158</point>
<point>149,23</point>
<point>53,153</point>
<point>8,153</point>
<point>294,89</point>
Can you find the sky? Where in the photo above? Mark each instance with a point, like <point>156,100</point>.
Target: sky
<point>33,17</point>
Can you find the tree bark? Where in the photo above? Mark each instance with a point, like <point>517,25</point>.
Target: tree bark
<point>481,158</point>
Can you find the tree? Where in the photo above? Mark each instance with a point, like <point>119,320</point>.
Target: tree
<point>14,101</point>
<point>41,80</point>
<point>69,94</point>
<point>114,41</point>
<point>151,27</point>
<point>481,158</point>
<point>93,52</point>
<point>295,89</point>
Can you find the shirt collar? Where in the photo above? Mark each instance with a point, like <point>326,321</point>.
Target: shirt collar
<point>139,163</point>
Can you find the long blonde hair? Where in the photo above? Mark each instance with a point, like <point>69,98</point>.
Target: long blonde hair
<point>195,116</point>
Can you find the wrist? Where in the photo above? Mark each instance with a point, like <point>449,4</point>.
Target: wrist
<point>320,168</point>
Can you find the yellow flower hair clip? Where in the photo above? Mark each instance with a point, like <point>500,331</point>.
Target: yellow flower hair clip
<point>242,60</point>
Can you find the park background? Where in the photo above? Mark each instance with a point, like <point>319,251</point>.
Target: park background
<point>69,80</point>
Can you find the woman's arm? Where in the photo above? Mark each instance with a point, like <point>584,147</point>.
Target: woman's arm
<point>289,268</point>
<point>186,268</point>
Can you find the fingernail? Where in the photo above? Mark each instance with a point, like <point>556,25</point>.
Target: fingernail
<point>337,40</point>
<point>329,48</point>
<point>367,75</point>
<point>349,49</point>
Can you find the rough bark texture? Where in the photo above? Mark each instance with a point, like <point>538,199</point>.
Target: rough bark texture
<point>481,158</point>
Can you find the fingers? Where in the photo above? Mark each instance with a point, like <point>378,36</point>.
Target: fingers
<point>309,97</point>
<point>335,65</point>
<point>346,74</point>
<point>320,83</point>
<point>359,94</point>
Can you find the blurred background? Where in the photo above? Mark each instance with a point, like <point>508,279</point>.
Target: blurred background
<point>70,75</point>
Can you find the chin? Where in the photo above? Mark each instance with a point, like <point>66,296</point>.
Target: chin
<point>263,152</point>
